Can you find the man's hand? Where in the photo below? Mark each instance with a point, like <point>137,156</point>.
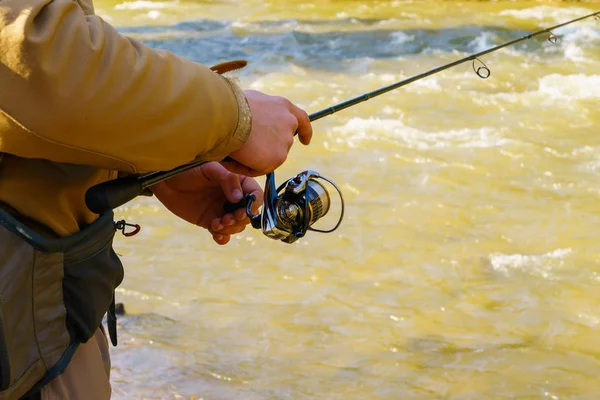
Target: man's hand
<point>198,195</point>
<point>275,121</point>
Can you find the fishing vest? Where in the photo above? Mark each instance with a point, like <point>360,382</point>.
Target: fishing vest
<point>54,293</point>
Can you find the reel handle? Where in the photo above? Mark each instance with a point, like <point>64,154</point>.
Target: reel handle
<point>246,202</point>
<point>230,207</point>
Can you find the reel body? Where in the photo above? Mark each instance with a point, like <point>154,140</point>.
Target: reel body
<point>289,215</point>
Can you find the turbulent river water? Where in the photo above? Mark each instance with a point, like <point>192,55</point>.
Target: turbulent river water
<point>468,262</point>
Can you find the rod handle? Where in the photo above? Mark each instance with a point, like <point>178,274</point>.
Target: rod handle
<point>112,194</point>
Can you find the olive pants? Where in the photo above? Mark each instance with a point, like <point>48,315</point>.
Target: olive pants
<point>86,377</point>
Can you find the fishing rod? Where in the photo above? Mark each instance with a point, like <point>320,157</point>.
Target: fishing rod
<point>289,216</point>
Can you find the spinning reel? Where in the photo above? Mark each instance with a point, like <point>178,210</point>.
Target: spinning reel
<point>289,215</point>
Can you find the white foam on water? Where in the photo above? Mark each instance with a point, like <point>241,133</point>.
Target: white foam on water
<point>539,265</point>
<point>394,130</point>
<point>431,84</point>
<point>574,53</point>
<point>399,37</point>
<point>552,90</point>
<point>580,35</point>
<point>482,42</point>
<point>573,42</point>
<point>588,319</point>
<point>388,78</point>
<point>589,158</point>
<point>154,14</point>
<point>572,37</point>
<point>145,5</point>
<point>570,87</point>
<point>285,26</point>
<point>545,13</point>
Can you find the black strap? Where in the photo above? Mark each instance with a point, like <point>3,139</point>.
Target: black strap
<point>53,372</point>
<point>111,322</point>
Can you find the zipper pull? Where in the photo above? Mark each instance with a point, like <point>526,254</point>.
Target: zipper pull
<point>229,66</point>
<point>122,226</point>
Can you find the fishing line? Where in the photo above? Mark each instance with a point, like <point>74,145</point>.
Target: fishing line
<point>112,194</point>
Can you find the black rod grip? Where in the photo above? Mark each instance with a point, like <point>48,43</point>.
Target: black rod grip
<point>112,194</point>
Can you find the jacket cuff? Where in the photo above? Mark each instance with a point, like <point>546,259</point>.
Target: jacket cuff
<point>244,125</point>
<point>241,129</point>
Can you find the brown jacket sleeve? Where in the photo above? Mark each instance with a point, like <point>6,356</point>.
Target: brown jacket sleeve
<point>73,90</point>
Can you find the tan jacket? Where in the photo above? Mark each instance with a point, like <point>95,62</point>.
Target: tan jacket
<point>80,103</point>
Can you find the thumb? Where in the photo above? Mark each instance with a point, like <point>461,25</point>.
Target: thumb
<point>230,184</point>
<point>228,181</point>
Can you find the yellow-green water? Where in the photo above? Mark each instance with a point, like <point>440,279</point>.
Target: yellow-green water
<point>468,263</point>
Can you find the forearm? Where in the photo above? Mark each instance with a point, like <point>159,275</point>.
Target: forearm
<point>72,83</point>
